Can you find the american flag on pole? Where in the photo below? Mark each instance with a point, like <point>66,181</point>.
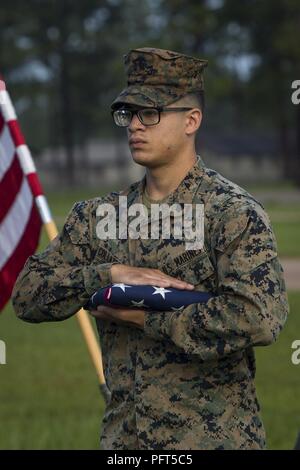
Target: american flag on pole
<point>23,210</point>
<point>20,190</point>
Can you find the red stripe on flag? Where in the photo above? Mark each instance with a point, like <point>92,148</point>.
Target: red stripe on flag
<point>26,246</point>
<point>16,133</point>
<point>10,186</point>
<point>34,184</point>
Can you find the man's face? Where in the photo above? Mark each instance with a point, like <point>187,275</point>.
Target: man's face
<point>160,144</point>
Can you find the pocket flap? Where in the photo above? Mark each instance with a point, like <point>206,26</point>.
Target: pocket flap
<point>191,266</point>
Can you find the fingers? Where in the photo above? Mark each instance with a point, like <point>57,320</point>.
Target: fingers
<point>104,310</point>
<point>160,279</point>
<point>139,276</point>
<point>97,314</point>
<point>124,316</point>
<point>176,283</point>
<point>107,313</point>
<point>171,281</point>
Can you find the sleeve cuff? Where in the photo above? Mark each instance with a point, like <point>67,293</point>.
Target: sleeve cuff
<point>171,325</point>
<point>96,276</point>
<point>158,324</point>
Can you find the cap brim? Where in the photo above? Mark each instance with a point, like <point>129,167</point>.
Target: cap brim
<point>147,96</point>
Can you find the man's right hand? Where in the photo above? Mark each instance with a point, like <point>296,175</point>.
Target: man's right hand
<point>121,273</point>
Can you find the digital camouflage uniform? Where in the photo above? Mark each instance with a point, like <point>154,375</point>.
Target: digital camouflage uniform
<point>156,77</point>
<point>187,380</point>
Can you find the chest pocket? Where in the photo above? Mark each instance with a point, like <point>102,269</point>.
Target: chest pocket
<point>193,266</point>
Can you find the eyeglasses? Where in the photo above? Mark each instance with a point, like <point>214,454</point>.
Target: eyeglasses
<point>147,116</point>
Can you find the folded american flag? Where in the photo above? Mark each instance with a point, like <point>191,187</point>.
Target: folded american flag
<point>145,296</point>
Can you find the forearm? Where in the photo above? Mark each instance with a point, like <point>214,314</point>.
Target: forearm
<point>246,315</point>
<point>52,294</point>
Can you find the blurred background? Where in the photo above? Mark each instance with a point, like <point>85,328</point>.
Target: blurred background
<point>62,62</point>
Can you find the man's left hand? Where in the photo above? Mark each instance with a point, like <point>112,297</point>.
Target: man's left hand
<point>129,316</point>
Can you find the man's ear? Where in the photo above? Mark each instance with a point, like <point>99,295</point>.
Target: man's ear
<point>194,119</point>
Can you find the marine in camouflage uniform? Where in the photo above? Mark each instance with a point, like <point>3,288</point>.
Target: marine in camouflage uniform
<point>186,381</point>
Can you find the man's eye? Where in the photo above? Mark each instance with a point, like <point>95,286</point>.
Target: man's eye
<point>149,112</point>
<point>124,112</point>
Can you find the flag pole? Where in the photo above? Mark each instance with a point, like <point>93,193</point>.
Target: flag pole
<point>86,329</point>
<point>28,167</point>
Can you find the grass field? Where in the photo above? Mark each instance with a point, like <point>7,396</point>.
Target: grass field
<point>49,397</point>
<point>286,224</point>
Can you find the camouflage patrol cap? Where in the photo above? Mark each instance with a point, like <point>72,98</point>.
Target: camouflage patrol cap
<point>158,77</point>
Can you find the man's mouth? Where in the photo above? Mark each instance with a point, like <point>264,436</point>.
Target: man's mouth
<point>136,142</point>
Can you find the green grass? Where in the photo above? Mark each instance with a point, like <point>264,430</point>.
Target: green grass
<point>49,392</point>
<point>61,202</point>
<point>49,397</point>
<point>283,185</point>
<point>278,383</point>
<point>286,224</point>
<point>288,238</point>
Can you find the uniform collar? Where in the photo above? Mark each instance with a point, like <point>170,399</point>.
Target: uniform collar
<point>185,191</point>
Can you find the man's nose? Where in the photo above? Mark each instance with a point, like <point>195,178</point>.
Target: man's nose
<point>135,123</point>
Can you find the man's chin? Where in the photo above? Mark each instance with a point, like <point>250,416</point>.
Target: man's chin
<point>141,158</point>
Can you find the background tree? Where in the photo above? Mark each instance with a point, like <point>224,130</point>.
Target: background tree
<point>62,61</point>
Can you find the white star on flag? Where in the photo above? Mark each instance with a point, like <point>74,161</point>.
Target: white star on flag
<point>122,286</point>
<point>160,290</point>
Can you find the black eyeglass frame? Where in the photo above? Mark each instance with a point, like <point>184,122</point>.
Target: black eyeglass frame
<point>160,110</point>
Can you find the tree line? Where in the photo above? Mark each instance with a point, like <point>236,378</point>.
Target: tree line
<point>62,63</point>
